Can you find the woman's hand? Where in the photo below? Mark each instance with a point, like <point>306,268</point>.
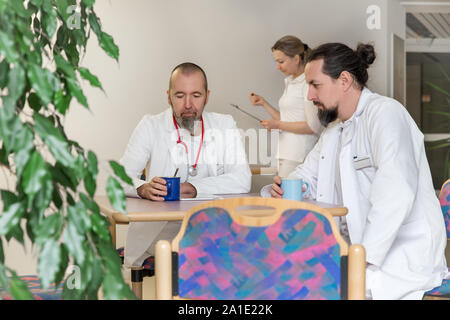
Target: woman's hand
<point>256,100</point>
<point>271,124</point>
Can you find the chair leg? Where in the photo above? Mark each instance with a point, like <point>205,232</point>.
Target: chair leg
<point>137,278</point>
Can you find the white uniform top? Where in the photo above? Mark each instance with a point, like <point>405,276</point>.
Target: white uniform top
<point>222,165</point>
<point>386,186</point>
<point>295,107</point>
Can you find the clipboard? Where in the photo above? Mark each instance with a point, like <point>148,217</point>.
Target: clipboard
<point>243,111</point>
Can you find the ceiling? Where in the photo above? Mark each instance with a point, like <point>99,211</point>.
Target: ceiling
<point>427,25</point>
<point>427,19</point>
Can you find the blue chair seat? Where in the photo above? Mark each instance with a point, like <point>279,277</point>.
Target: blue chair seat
<point>34,286</point>
<point>442,291</point>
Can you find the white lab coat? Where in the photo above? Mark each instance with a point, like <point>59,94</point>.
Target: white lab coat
<point>153,145</point>
<point>386,186</point>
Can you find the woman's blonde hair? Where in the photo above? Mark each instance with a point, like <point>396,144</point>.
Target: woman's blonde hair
<point>292,46</point>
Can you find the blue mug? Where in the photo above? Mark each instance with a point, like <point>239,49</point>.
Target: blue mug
<point>173,188</point>
<point>293,189</point>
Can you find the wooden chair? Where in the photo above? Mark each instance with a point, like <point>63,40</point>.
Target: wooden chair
<point>443,291</point>
<point>296,253</point>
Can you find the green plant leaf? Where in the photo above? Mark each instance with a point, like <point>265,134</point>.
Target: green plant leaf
<point>16,233</point>
<point>436,87</point>
<point>19,289</point>
<point>37,3</point>
<point>20,9</point>
<point>49,228</point>
<point>64,261</point>
<point>74,243</point>
<point>7,47</point>
<point>119,171</point>
<point>88,3</point>
<point>49,259</point>
<point>34,102</point>
<point>77,216</point>
<point>100,226</point>
<point>49,22</point>
<point>90,184</point>
<point>95,26</point>
<point>92,163</point>
<point>4,70</point>
<point>62,101</point>
<point>10,217</point>
<point>2,256</point>
<point>23,146</point>
<point>108,45</point>
<point>16,82</point>
<point>113,285</point>
<point>65,66</point>
<point>94,267</point>
<point>9,127</point>
<point>34,176</point>
<point>64,175</point>
<point>4,279</point>
<point>54,140</point>
<point>116,195</point>
<point>76,91</point>
<point>87,75</point>
<point>43,82</point>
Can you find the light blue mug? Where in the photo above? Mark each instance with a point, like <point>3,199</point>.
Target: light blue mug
<point>293,189</point>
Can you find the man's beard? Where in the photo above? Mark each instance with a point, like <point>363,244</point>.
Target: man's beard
<point>326,116</point>
<point>184,122</point>
<point>187,123</point>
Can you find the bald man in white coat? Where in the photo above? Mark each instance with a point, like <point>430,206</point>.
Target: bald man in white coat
<point>371,159</point>
<point>206,148</point>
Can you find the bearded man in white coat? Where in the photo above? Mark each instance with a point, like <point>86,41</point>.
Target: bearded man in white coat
<point>371,159</point>
<point>205,147</point>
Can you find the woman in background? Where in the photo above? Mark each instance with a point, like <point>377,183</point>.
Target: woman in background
<point>297,117</point>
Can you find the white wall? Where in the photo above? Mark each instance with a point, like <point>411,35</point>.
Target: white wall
<point>230,39</point>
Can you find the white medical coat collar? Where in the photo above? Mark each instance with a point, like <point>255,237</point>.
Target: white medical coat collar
<point>290,79</point>
<point>362,103</point>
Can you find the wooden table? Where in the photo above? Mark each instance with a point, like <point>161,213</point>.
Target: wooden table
<point>141,210</point>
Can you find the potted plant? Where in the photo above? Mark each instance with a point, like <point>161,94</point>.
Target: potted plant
<point>443,112</point>
<point>52,198</point>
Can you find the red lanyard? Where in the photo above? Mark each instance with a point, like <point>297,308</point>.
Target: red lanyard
<point>184,144</point>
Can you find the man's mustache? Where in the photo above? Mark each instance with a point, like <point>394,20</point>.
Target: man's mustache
<point>317,104</point>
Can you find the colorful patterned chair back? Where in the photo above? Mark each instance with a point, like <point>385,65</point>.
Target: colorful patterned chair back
<point>444,199</point>
<point>296,253</point>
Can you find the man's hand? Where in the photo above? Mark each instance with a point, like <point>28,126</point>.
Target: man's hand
<point>276,191</point>
<point>155,190</point>
<point>187,190</point>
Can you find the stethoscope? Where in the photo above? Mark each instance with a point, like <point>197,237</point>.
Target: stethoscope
<point>192,170</point>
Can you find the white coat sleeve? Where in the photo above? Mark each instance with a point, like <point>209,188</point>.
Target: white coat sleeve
<point>395,146</point>
<point>137,154</point>
<point>236,175</point>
